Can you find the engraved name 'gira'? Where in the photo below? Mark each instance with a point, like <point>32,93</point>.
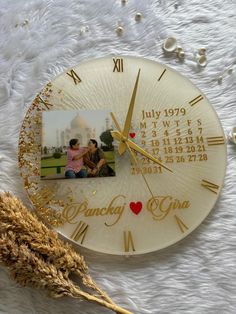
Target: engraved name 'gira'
<point>161,206</point>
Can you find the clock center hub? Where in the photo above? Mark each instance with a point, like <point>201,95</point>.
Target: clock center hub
<point>124,139</point>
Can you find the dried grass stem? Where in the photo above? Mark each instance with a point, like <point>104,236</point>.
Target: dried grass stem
<point>36,257</point>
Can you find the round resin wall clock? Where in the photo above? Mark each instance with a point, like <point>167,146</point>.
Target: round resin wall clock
<point>122,155</point>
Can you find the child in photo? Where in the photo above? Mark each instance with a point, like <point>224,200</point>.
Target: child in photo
<point>75,164</point>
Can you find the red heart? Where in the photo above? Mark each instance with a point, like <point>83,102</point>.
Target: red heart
<point>136,207</point>
<point>132,135</point>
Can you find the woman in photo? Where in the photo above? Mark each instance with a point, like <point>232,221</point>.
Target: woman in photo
<point>75,163</point>
<point>96,161</point>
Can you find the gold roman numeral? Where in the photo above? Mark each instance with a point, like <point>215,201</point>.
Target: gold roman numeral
<point>196,100</point>
<point>128,241</point>
<point>46,104</point>
<point>80,232</point>
<point>160,77</point>
<point>42,197</point>
<point>215,140</point>
<point>210,186</point>
<point>74,76</point>
<point>118,65</point>
<point>181,224</point>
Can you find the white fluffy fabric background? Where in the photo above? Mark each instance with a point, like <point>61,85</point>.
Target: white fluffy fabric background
<point>197,275</point>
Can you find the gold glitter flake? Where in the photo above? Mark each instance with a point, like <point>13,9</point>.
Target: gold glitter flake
<point>43,198</point>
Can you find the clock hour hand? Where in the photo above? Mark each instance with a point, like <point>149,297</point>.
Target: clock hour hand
<point>118,134</point>
<point>122,146</point>
<point>119,137</point>
<point>115,122</point>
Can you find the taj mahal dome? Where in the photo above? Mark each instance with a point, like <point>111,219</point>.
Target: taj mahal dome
<point>78,129</point>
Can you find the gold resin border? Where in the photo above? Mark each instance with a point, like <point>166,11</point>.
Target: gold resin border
<point>29,150</point>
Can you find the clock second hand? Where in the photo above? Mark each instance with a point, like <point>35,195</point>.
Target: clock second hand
<point>137,164</point>
<point>132,155</point>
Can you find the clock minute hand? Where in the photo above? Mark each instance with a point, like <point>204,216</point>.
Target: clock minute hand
<point>119,136</point>
<point>122,145</point>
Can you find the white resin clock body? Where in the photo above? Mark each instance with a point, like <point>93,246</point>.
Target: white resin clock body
<point>172,120</point>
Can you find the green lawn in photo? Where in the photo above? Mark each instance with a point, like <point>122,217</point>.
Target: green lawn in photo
<point>110,158</point>
<point>54,163</point>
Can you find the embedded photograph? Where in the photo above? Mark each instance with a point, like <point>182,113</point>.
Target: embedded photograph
<point>77,144</point>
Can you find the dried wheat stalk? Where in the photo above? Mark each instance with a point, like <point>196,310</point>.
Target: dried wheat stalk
<point>36,257</point>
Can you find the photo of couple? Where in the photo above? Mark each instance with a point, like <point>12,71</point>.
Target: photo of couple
<point>83,162</point>
<point>77,144</point>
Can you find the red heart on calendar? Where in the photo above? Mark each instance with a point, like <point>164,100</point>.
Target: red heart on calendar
<point>132,135</point>
<point>136,207</point>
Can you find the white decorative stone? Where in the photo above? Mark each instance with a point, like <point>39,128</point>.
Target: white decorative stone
<point>202,60</point>
<point>170,44</point>
<point>232,135</point>
<point>82,30</point>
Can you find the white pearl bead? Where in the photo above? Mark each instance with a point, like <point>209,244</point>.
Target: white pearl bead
<point>220,79</point>
<point>181,54</point>
<point>119,30</point>
<point>138,16</point>
<point>202,51</point>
